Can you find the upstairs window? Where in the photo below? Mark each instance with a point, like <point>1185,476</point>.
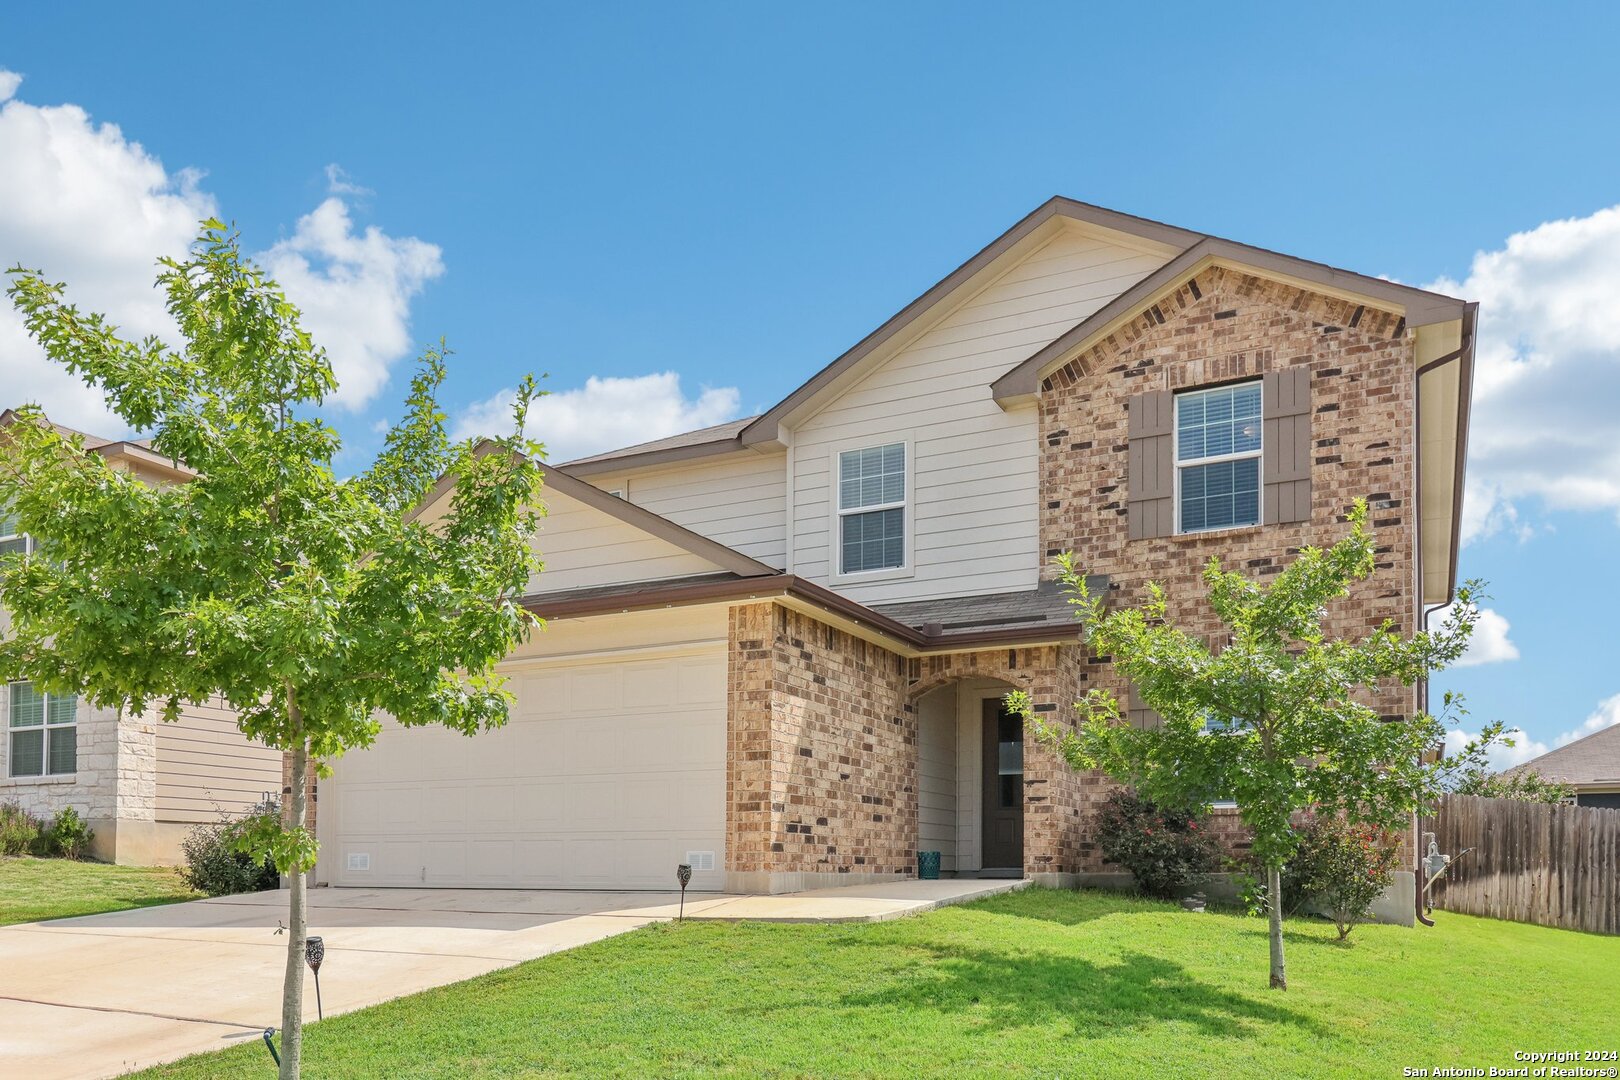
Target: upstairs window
<point>44,732</point>
<point>872,508</point>
<point>12,539</point>
<point>1218,458</point>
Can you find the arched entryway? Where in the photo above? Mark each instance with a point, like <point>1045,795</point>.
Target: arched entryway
<point>970,772</point>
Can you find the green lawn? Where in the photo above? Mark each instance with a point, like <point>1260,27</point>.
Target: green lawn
<point>1036,984</point>
<point>33,889</point>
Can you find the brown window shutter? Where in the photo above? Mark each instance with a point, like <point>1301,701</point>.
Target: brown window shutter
<point>1138,715</point>
<point>1150,481</point>
<point>1285,470</point>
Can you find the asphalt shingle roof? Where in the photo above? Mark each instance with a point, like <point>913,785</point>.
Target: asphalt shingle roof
<point>716,433</point>
<point>1594,759</point>
<point>1047,603</point>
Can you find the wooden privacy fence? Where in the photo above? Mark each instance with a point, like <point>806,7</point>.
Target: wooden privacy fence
<point>1549,865</point>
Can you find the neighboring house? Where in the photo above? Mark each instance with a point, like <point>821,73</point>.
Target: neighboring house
<point>776,647</point>
<point>139,782</point>
<point>1589,765</point>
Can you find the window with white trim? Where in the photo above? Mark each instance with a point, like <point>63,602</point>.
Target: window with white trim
<point>44,734</point>
<point>1218,458</point>
<point>12,539</point>
<point>872,508</point>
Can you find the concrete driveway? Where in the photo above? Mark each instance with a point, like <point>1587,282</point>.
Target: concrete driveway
<point>100,995</point>
<point>103,994</point>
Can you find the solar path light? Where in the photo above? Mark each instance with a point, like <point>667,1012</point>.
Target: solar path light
<point>314,953</point>
<point>683,874</point>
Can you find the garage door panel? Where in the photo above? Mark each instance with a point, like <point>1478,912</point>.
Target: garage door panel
<point>606,776</point>
<point>539,863</point>
<point>444,808</point>
<point>490,805</point>
<point>700,683</point>
<point>445,862</point>
<point>540,695</point>
<point>536,751</point>
<point>539,806</point>
<point>595,690</point>
<point>492,861</point>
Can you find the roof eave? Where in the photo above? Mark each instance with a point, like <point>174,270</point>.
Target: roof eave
<point>1418,306</point>
<point>767,428</point>
<point>906,639</point>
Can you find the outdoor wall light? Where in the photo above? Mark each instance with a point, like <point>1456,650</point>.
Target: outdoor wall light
<point>314,953</point>
<point>683,874</point>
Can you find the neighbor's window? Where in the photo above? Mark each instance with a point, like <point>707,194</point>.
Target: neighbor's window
<point>872,508</point>
<point>1218,458</point>
<point>44,740</point>
<point>12,539</point>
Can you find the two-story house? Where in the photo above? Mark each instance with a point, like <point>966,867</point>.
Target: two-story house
<point>776,648</point>
<point>140,783</point>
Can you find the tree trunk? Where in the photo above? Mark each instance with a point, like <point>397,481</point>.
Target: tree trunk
<point>1274,902</point>
<point>292,993</point>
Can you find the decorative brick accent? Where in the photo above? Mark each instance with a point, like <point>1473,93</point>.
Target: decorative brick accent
<point>1225,325</point>
<point>821,750</point>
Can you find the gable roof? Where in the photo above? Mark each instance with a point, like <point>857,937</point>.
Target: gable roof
<point>1186,251</point>
<point>728,559</point>
<point>136,451</point>
<point>689,444</point>
<point>1594,759</point>
<point>1419,306</point>
<point>765,427</point>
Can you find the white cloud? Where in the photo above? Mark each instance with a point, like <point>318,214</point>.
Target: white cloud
<point>1498,756</point>
<point>1524,748</point>
<point>339,183</point>
<point>87,206</point>
<point>1548,372</point>
<point>355,290</point>
<point>95,209</point>
<point>1607,714</point>
<point>1489,643</point>
<point>605,414</point>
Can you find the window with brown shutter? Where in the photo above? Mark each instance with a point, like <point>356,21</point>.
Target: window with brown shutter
<point>1195,463</point>
<point>1150,477</point>
<point>1286,465</point>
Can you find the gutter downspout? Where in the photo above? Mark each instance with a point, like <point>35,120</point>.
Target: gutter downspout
<point>1465,390</point>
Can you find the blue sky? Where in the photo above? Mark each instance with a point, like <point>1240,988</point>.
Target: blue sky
<point>710,203</point>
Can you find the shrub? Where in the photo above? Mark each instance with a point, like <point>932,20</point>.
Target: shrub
<point>1341,868</point>
<point>20,831</point>
<point>68,835</point>
<point>1167,851</point>
<point>214,866</point>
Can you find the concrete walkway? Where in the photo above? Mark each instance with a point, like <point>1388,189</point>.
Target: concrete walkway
<point>103,994</point>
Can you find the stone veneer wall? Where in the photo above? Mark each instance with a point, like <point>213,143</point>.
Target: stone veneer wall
<point>115,777</point>
<point>821,751</point>
<point>1221,326</point>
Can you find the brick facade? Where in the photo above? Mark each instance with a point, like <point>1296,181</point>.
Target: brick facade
<point>822,744</point>
<point>1221,326</point>
<point>821,754</point>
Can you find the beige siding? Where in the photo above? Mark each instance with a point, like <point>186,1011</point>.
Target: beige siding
<point>205,766</point>
<point>737,500</point>
<point>936,776</point>
<point>582,547</point>
<point>974,466</point>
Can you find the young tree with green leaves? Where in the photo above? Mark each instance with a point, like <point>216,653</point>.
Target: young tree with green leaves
<point>1276,720</point>
<point>309,603</point>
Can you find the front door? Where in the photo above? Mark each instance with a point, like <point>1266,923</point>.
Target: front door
<point>1003,788</point>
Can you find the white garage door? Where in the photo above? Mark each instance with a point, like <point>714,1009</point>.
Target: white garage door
<point>608,775</point>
